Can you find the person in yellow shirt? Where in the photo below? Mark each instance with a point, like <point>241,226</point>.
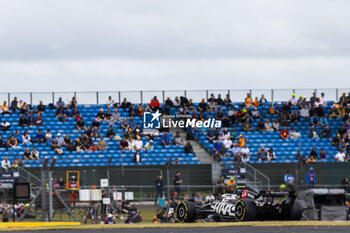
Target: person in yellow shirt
<point>256,102</point>
<point>242,140</point>
<point>248,100</point>
<point>230,185</point>
<point>272,110</point>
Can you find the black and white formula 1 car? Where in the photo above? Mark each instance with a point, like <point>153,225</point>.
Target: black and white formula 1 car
<point>243,206</point>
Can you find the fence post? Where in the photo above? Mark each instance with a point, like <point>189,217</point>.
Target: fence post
<point>119,97</point>
<point>185,92</point>
<point>163,93</point>
<point>141,96</point>
<point>31,98</point>
<point>8,98</point>
<point>75,95</point>
<point>53,98</point>
<point>272,96</point>
<point>336,94</point>
<point>250,93</point>
<point>207,95</point>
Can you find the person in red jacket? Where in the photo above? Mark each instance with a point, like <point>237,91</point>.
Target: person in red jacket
<point>155,105</point>
<point>284,133</point>
<point>73,186</point>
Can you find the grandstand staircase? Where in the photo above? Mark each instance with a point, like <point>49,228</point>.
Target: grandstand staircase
<point>202,155</point>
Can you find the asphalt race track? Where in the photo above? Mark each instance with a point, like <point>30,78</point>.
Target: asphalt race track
<point>320,229</point>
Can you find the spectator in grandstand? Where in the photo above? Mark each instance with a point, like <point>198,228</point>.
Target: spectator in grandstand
<point>211,135</point>
<point>311,177</point>
<point>80,124</point>
<point>178,140</point>
<point>220,184</point>
<point>246,126</point>
<point>25,108</point>
<point>340,156</point>
<point>102,145</point>
<point>56,146</point>
<point>219,115</point>
<point>188,149</point>
<point>242,140</point>
<point>96,123</point>
<point>60,103</point>
<point>323,154</point>
<point>40,137</point>
<point>198,199</point>
<point>5,125</point>
<point>111,132</point>
<point>268,126</point>
<point>149,145</point>
<point>323,121</point>
<point>300,157</point>
<point>110,102</point>
<point>48,136</point>
<point>20,104</point>
<point>177,102</point>
<point>124,145</point>
<point>261,126</point>
<point>304,112</point>
<point>12,142</point>
<point>262,154</point>
<point>314,153</point>
<point>256,102</point>
<point>326,133</point>
<point>236,152</point>
<point>41,107</point>
<point>137,157</point>
<point>60,139</point>
<point>342,145</point>
<point>289,180</point>
<point>5,109</point>
<point>232,115</point>
<point>271,155</point>
<point>23,121</point>
<point>166,141</point>
<point>209,198</point>
<point>38,120</point>
<point>294,100</point>
<point>61,115</point>
<point>224,134</point>
<point>3,144</point>
<point>27,154</point>
<point>124,124</point>
<point>73,103</point>
<point>177,182</point>
<point>6,165</point>
<point>323,99</point>
<point>248,100</point>
<point>125,104</point>
<point>70,145</point>
<point>313,133</point>
<point>95,132</point>
<point>294,134</point>
<point>14,103</point>
<point>114,118</point>
<point>276,125</point>
<point>233,133</point>
<point>272,110</point>
<point>155,105</point>
<point>263,100</point>
<point>245,152</point>
<point>26,139</point>
<point>227,100</point>
<point>35,154</point>
<point>284,133</point>
<point>101,115</point>
<point>78,146</point>
<point>311,159</point>
<point>295,117</point>
<point>216,148</point>
<point>19,137</point>
<point>227,143</point>
<point>314,120</point>
<point>231,185</point>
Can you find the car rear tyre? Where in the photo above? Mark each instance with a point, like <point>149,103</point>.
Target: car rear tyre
<point>186,211</point>
<point>297,210</point>
<point>245,210</point>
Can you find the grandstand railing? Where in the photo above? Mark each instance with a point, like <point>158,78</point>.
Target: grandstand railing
<point>100,97</point>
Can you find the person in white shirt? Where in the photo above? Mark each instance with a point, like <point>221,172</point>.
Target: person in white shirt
<point>138,144</point>
<point>323,99</point>
<point>294,100</point>
<point>304,112</point>
<point>6,165</point>
<point>110,102</point>
<point>294,134</point>
<point>227,143</point>
<point>268,126</point>
<point>210,198</point>
<point>245,150</point>
<point>5,125</point>
<point>340,156</point>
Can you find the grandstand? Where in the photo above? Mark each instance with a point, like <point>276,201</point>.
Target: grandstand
<point>285,150</point>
